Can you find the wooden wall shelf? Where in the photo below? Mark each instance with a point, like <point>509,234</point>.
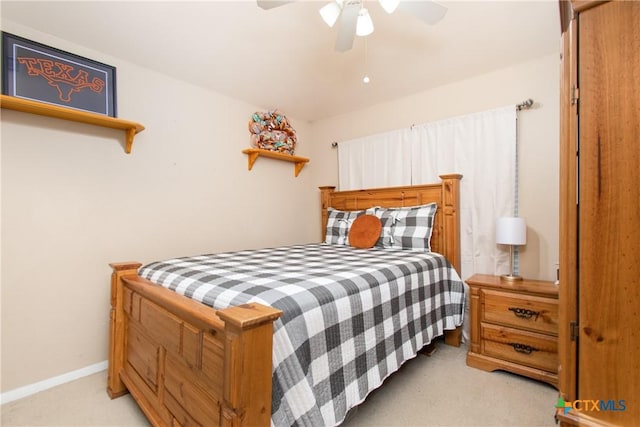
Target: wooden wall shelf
<point>254,153</point>
<point>42,109</point>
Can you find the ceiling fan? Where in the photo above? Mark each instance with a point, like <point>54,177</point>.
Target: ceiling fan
<point>355,19</point>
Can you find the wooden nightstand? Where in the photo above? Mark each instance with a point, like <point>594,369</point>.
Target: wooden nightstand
<point>514,327</point>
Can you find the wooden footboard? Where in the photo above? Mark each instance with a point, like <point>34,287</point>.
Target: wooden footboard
<point>186,363</point>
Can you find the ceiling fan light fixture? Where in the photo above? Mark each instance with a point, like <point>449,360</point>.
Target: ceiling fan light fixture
<point>364,27</point>
<point>389,6</point>
<point>330,13</point>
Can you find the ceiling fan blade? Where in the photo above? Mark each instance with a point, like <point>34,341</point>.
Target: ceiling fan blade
<point>270,4</point>
<point>347,28</point>
<point>428,11</point>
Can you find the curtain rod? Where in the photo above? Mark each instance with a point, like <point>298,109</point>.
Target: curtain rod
<point>524,105</point>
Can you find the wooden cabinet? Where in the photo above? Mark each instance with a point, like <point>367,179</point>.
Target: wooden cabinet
<point>599,330</point>
<point>514,326</point>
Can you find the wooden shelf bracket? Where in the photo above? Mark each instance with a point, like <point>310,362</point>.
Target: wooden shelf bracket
<point>254,153</point>
<point>42,109</point>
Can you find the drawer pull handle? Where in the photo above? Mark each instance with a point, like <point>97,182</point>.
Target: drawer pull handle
<point>523,348</point>
<point>524,313</point>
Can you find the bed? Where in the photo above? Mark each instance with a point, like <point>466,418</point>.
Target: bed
<point>186,363</point>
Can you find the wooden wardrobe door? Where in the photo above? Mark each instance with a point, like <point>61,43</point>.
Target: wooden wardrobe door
<point>568,290</point>
<point>609,208</point>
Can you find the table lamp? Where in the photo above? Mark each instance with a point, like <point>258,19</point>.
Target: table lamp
<point>511,231</point>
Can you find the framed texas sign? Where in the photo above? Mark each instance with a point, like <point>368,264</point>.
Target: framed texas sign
<point>42,73</point>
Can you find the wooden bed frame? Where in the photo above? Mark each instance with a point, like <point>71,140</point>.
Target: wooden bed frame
<point>188,364</point>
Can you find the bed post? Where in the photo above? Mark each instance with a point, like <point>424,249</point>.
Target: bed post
<point>325,195</point>
<point>451,223</point>
<point>249,365</point>
<point>451,236</point>
<point>117,327</point>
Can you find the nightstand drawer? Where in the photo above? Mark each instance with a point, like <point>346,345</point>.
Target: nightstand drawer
<point>525,348</point>
<point>521,311</point>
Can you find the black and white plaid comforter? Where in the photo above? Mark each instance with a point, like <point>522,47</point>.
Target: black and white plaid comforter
<point>351,317</point>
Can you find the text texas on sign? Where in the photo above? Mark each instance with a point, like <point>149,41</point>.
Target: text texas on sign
<point>41,73</point>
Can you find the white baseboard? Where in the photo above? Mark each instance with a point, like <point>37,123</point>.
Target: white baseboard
<point>30,389</point>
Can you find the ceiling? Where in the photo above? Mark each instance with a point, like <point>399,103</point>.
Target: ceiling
<point>284,57</point>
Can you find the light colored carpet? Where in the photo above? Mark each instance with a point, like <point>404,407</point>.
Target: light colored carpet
<point>440,390</point>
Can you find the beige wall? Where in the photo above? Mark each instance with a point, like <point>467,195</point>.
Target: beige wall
<point>73,201</point>
<point>538,141</point>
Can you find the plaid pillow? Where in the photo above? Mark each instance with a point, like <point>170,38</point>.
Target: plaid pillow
<point>339,224</point>
<point>407,228</point>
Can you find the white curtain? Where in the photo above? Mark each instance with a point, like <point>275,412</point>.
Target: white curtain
<point>382,160</point>
<point>480,146</point>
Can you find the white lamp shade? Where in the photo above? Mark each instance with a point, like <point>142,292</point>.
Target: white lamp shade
<point>364,27</point>
<point>330,13</point>
<point>511,231</point>
<point>389,6</point>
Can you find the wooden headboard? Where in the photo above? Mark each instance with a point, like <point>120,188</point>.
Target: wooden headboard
<point>446,231</point>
